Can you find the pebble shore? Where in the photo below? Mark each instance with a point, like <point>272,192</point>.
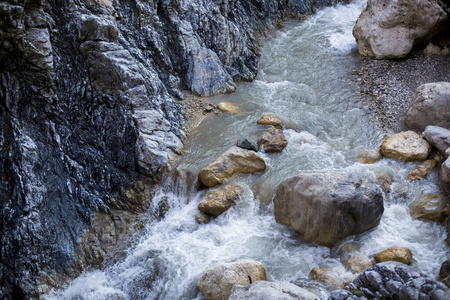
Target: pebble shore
<point>388,86</point>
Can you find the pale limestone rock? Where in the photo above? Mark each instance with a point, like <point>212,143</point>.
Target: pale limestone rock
<point>217,282</point>
<point>369,156</point>
<point>406,146</point>
<point>229,107</point>
<point>217,201</point>
<point>234,161</point>
<point>356,262</point>
<point>430,106</point>
<point>421,171</point>
<point>428,207</point>
<point>272,141</point>
<point>265,290</point>
<point>326,208</point>
<point>389,29</point>
<point>327,275</point>
<point>270,120</point>
<point>400,254</point>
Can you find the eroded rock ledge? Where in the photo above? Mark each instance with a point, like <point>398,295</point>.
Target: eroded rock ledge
<point>88,103</point>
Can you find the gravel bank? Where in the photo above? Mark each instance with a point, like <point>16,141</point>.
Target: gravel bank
<point>389,85</point>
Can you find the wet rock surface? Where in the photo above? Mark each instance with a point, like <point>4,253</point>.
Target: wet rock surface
<point>326,208</point>
<point>217,283</point>
<point>89,93</point>
<point>234,161</point>
<point>265,290</point>
<point>217,201</point>
<point>394,280</point>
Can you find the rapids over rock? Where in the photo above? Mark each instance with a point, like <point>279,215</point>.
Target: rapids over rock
<point>304,79</point>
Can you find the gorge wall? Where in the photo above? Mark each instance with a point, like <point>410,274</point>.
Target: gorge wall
<point>89,93</point>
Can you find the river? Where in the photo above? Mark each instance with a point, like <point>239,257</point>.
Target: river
<point>305,79</point>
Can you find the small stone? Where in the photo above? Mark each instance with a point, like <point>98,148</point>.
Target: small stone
<point>385,181</point>
<point>273,141</point>
<point>228,107</point>
<point>420,172</point>
<point>249,144</point>
<point>431,50</point>
<point>406,146</point>
<point>326,275</point>
<point>400,254</point>
<point>270,120</point>
<point>216,201</point>
<point>201,218</point>
<point>369,156</point>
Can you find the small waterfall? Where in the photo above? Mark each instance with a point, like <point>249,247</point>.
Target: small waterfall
<point>303,79</point>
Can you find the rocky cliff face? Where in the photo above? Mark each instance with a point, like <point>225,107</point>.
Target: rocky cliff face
<point>89,92</point>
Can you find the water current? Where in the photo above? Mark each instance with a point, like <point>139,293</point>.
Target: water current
<point>304,79</point>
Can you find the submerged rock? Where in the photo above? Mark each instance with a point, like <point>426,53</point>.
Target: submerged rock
<point>406,146</point>
<point>326,208</point>
<point>369,156</point>
<point>217,201</point>
<point>400,254</point>
<point>428,207</point>
<point>356,262</point>
<point>327,275</point>
<point>229,108</point>
<point>430,106</point>
<point>232,162</point>
<point>216,283</point>
<point>444,273</point>
<point>421,171</point>
<point>265,290</point>
<point>390,29</point>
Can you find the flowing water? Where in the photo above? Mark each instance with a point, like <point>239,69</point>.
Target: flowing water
<point>304,79</point>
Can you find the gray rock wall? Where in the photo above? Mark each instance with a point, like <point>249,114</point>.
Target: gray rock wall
<point>88,103</point>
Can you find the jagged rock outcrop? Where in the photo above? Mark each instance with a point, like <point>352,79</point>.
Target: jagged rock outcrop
<point>430,106</point>
<point>88,103</point>
<point>390,29</point>
<point>394,280</point>
<point>326,208</point>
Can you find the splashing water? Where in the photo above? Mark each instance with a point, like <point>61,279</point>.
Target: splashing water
<point>303,79</point>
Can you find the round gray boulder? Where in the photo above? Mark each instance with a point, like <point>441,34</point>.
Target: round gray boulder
<point>326,208</point>
<point>265,290</point>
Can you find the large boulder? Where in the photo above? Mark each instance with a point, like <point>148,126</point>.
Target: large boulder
<point>438,137</point>
<point>430,106</point>
<point>400,254</point>
<point>265,290</point>
<point>406,146</point>
<point>234,161</point>
<point>389,29</point>
<point>394,280</point>
<point>217,201</point>
<point>217,282</point>
<point>272,141</point>
<point>326,208</point>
